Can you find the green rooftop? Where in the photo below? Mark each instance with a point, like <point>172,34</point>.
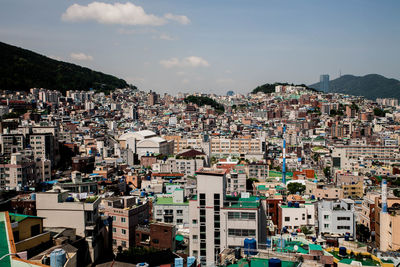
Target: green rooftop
<point>169,201</point>
<point>315,247</point>
<point>257,262</point>
<point>14,217</point>
<point>238,202</point>
<point>4,248</point>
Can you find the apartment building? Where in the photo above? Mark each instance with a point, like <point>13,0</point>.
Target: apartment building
<point>221,147</point>
<point>19,172</point>
<point>353,190</point>
<point>258,170</point>
<point>127,212</point>
<point>366,214</point>
<point>337,217</point>
<point>218,221</point>
<point>12,143</point>
<point>185,166</point>
<point>59,209</point>
<point>341,155</point>
<point>172,208</point>
<point>236,181</point>
<point>293,216</point>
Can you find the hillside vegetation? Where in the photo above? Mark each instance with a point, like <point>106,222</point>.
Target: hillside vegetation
<point>21,69</point>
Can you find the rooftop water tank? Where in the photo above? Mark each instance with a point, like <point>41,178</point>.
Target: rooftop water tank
<point>33,196</point>
<point>312,197</point>
<point>69,199</point>
<point>250,246</point>
<point>296,205</point>
<point>273,262</point>
<point>142,264</point>
<point>290,204</point>
<point>342,251</point>
<point>237,253</point>
<point>58,258</point>
<point>268,242</point>
<point>178,262</point>
<point>191,261</point>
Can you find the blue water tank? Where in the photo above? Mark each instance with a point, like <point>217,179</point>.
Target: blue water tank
<point>347,237</point>
<point>69,199</point>
<point>296,205</point>
<point>178,262</point>
<point>170,180</point>
<point>33,196</point>
<point>290,204</point>
<point>250,246</point>
<point>191,261</point>
<point>273,262</point>
<point>269,242</point>
<point>58,258</point>
<point>312,197</point>
<point>313,239</point>
<point>142,194</point>
<point>237,253</point>
<point>281,243</point>
<point>342,251</point>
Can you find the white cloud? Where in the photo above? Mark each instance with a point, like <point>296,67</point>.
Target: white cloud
<point>178,18</point>
<point>192,61</point>
<point>223,81</point>
<point>118,13</point>
<point>164,36</point>
<point>81,57</point>
<point>135,31</point>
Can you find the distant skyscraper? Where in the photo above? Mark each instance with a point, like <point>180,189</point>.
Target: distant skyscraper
<point>324,83</point>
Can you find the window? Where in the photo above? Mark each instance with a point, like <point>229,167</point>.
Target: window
<point>123,244</point>
<point>159,212</point>
<point>287,219</point>
<point>179,220</point>
<point>123,219</point>
<point>326,225</point>
<point>114,241</point>
<point>194,221</point>
<point>195,238</point>
<point>123,231</point>
<point>343,227</point>
<point>35,230</point>
<point>114,230</point>
<point>179,212</point>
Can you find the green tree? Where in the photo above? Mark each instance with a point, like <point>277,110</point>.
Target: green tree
<point>293,188</point>
<point>379,112</point>
<point>305,230</point>
<point>363,233</point>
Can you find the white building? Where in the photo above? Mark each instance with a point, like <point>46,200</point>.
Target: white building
<point>172,208</point>
<point>294,215</point>
<point>218,221</point>
<point>337,217</point>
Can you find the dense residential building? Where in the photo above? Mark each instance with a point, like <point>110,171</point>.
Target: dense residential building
<point>218,221</point>
<point>172,208</point>
<point>337,217</point>
<point>126,213</point>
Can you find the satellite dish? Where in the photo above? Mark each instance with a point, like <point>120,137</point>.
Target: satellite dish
<point>296,247</point>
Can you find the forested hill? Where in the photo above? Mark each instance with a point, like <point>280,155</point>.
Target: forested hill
<point>370,86</point>
<point>21,69</point>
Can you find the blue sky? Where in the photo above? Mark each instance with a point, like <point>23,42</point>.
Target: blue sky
<point>211,46</point>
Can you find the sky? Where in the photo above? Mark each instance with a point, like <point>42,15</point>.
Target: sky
<point>211,46</point>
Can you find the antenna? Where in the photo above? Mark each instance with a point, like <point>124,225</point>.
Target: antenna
<point>340,73</point>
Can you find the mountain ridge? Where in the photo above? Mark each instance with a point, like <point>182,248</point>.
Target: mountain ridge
<point>22,69</point>
<point>371,86</point>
